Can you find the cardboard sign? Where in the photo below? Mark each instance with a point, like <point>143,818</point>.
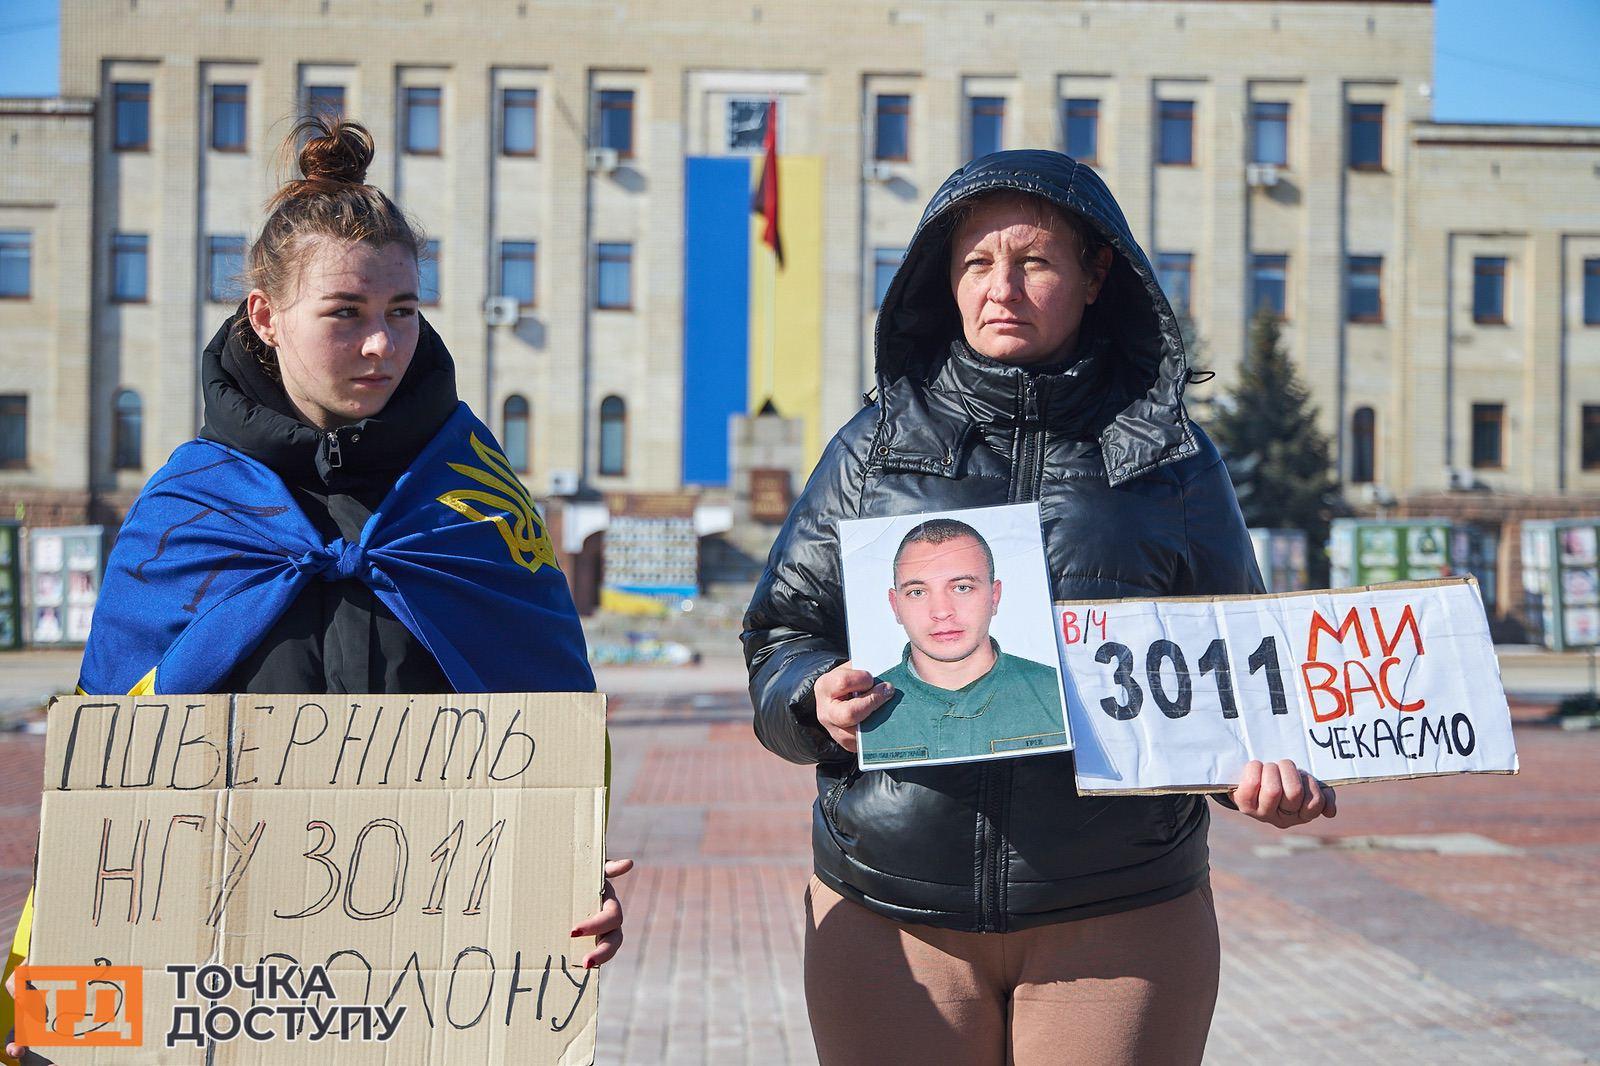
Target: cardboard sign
<point>1356,685</point>
<point>431,852</point>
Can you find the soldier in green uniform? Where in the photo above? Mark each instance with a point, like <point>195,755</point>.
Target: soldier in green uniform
<point>956,694</point>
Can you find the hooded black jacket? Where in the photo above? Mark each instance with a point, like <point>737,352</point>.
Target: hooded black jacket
<point>1134,501</point>
<point>337,636</point>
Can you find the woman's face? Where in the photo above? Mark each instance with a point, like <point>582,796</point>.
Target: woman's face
<point>1019,283</point>
<point>347,334</point>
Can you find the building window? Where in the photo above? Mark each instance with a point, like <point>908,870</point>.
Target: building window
<point>1080,121</point>
<point>1488,436</point>
<point>13,432</point>
<point>1176,125</point>
<point>228,108</point>
<point>1591,292</point>
<point>885,261</point>
<point>16,264</point>
<point>1366,136</point>
<point>1175,272</point>
<point>891,128</point>
<point>428,275</point>
<point>127,431</point>
<point>517,259</point>
<point>986,124</point>
<point>613,435</point>
<point>225,265</point>
<point>131,112</point>
<point>747,125</point>
<point>519,122</point>
<point>1363,445</point>
<point>422,119</point>
<point>130,267</point>
<point>1591,436</point>
<point>1489,290</point>
<point>616,121</point>
<point>1363,295</point>
<point>514,432</point>
<point>614,277</point>
<point>1269,132</point>
<point>1269,275</point>
<point>325,101</point>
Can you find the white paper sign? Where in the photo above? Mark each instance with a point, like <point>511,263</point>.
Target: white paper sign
<point>1356,685</point>
<point>949,607</point>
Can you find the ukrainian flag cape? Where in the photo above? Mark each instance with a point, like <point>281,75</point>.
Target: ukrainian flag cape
<point>216,549</point>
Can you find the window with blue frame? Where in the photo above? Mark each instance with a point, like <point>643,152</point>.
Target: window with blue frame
<point>130,109</point>
<point>1175,272</point>
<point>422,119</point>
<point>13,431</point>
<point>613,436</point>
<point>614,122</point>
<point>16,264</point>
<point>1363,445</point>
<point>130,267</point>
<point>514,432</point>
<point>1364,289</point>
<point>1269,132</point>
<point>613,276</point>
<point>1080,120</point>
<point>428,275</point>
<point>885,261</point>
<point>1269,284</point>
<point>127,431</point>
<point>1489,290</point>
<point>224,265</point>
<point>891,127</point>
<point>1366,137</point>
<point>1175,128</point>
<point>986,124</point>
<point>517,271</point>
<point>229,105</point>
<point>325,101</point>
<point>519,122</point>
<point>1591,292</point>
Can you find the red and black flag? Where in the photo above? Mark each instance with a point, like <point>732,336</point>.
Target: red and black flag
<point>765,200</point>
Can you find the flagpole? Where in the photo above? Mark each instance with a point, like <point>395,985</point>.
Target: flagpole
<point>772,332</point>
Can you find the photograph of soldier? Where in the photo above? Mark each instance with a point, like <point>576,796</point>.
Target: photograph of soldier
<point>958,694</point>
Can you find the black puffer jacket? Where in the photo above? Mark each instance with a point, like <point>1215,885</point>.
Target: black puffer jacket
<point>337,636</point>
<point>1135,502</point>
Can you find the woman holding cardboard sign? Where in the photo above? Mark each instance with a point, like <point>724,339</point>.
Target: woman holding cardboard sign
<point>343,523</point>
<point>985,912</point>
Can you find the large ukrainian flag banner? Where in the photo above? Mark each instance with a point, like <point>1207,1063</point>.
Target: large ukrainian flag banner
<point>752,330</point>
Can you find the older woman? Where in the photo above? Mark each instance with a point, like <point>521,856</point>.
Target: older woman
<point>986,912</point>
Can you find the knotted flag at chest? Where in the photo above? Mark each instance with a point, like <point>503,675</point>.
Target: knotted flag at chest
<point>216,549</point>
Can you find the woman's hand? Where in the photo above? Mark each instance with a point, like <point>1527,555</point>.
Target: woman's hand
<point>1281,794</point>
<point>845,696</point>
<point>605,924</point>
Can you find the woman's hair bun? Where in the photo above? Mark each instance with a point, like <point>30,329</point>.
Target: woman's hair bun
<point>333,149</point>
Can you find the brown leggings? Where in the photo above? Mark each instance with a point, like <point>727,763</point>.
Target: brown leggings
<point>1129,989</point>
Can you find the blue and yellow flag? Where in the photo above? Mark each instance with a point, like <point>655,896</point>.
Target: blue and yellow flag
<point>752,315</point>
<point>216,549</point>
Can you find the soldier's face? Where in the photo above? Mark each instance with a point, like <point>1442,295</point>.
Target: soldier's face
<point>945,597</point>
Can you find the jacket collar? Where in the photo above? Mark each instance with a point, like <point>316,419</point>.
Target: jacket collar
<point>248,410</point>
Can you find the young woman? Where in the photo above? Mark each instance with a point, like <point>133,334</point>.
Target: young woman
<point>985,913</point>
<point>343,523</point>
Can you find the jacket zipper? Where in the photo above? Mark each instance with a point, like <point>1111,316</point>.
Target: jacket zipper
<point>830,806</point>
<point>1027,476</point>
<point>335,460</point>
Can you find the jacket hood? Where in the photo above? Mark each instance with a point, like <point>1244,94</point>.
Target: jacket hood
<point>1131,318</point>
<point>248,410</point>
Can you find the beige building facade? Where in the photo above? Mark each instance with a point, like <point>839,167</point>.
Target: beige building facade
<point>1277,151</point>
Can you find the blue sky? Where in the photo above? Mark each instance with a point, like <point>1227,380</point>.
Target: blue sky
<point>1494,60</point>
